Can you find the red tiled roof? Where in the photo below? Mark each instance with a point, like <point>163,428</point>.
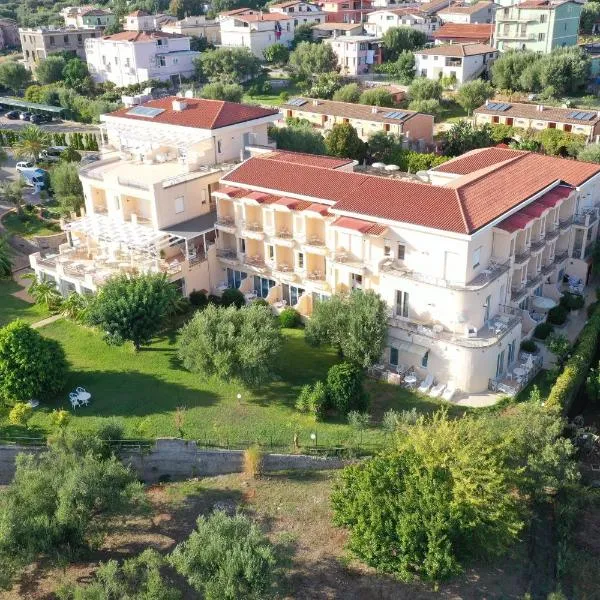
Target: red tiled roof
<point>141,36</point>
<point>540,4</point>
<point>252,17</point>
<point>357,225</point>
<point>481,32</point>
<point>458,50</point>
<point>259,197</point>
<point>535,209</point>
<point>290,203</point>
<point>199,112</point>
<point>553,197</point>
<point>313,160</point>
<point>322,209</point>
<point>139,13</point>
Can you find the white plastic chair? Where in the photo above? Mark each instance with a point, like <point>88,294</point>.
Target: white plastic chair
<point>449,392</point>
<point>80,390</point>
<point>426,384</point>
<point>74,399</point>
<point>437,390</point>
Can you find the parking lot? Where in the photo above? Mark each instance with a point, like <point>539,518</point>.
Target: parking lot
<point>60,126</point>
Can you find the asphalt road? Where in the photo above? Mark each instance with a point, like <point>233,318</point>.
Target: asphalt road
<point>9,173</point>
<point>55,126</point>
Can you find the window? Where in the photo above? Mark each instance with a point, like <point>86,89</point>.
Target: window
<point>300,260</point>
<point>79,38</point>
<point>506,28</point>
<point>511,352</point>
<point>271,252</point>
<point>425,359</point>
<point>219,150</point>
<point>66,40</point>
<point>551,125</point>
<point>401,251</point>
<point>242,245</point>
<point>127,62</point>
<point>486,309</point>
<point>500,364</point>
<point>542,18</point>
<point>541,37</point>
<point>401,304</point>
<point>394,356</point>
<point>162,61</point>
<point>387,251</point>
<point>52,40</point>
<point>477,257</point>
<point>567,128</point>
<point>179,205</point>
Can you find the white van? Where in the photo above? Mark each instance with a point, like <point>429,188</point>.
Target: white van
<point>52,154</point>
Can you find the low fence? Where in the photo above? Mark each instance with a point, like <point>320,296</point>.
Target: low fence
<point>172,459</point>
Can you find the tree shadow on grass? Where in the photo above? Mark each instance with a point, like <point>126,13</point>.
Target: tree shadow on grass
<point>119,393</point>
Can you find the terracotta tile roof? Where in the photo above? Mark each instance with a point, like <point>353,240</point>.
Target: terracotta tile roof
<point>515,222</point>
<point>466,9</point>
<point>553,197</point>
<point>434,6</point>
<point>481,32</point>
<point>95,12</point>
<point>313,160</point>
<point>199,112</point>
<point>548,113</point>
<point>321,209</point>
<point>254,17</point>
<point>402,11</point>
<point>541,4</point>
<point>236,11</point>
<point>536,209</point>
<point>141,36</point>
<point>139,13</point>
<point>572,172</point>
<point>330,26</point>
<point>458,50</point>
<point>349,110</point>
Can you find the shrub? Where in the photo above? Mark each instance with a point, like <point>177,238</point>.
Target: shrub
<point>529,346</point>
<point>232,296</point>
<point>318,401</point>
<point>558,315</point>
<point>303,400</point>
<point>576,368</point>
<point>214,300</point>
<point>591,309</point>
<point>289,318</point>
<point>345,388</point>
<point>572,301</point>
<point>20,413</point>
<point>261,302</point>
<point>542,331</point>
<point>253,462</point>
<point>198,299</point>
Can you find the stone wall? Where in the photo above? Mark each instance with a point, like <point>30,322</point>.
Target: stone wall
<point>174,459</point>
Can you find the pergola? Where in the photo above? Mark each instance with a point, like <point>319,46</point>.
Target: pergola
<point>31,106</point>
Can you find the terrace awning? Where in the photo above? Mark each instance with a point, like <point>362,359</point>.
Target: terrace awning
<point>15,102</point>
<point>193,227</point>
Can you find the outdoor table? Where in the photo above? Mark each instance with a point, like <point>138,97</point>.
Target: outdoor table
<point>410,380</point>
<point>84,396</point>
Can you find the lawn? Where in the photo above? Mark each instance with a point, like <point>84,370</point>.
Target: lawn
<point>12,307</point>
<point>142,391</point>
<point>28,225</point>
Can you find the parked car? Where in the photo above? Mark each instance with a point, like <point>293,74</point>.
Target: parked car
<point>12,114</point>
<point>36,178</point>
<point>90,158</point>
<point>37,119</point>
<point>25,116</point>
<point>24,164</point>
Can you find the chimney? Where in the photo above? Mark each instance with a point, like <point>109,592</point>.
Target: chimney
<point>540,107</point>
<point>487,102</point>
<point>374,110</point>
<point>179,105</point>
<point>315,102</point>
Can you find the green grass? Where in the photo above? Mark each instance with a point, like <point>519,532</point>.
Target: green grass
<point>28,225</point>
<point>272,99</point>
<point>142,391</point>
<point>12,308</point>
<point>452,112</point>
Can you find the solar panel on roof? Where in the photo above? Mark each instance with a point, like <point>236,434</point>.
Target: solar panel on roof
<point>499,106</point>
<point>297,102</point>
<point>395,115</point>
<point>145,111</point>
<point>581,116</point>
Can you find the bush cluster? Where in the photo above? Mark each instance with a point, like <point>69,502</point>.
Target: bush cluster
<point>198,299</point>
<point>342,392</point>
<point>576,368</point>
<point>529,346</point>
<point>542,331</point>
<point>572,301</point>
<point>558,315</point>
<point>289,318</point>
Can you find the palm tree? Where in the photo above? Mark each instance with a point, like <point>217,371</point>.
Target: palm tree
<point>12,192</point>
<point>5,258</point>
<point>32,140</point>
<point>44,292</point>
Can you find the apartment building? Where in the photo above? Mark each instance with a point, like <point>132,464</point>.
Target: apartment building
<point>301,12</point>
<point>39,42</point>
<point>198,26</point>
<point>414,127</point>
<point>148,205</point>
<point>461,261</point>
<point>538,117</point>
<point>463,61</point>
<point>256,31</point>
<point>330,29</point>
<point>380,21</point>
<point>538,25</point>
<point>132,57</point>
<point>9,34</point>
<point>456,33</point>
<point>479,12</point>
<point>87,16</point>
<point>346,11</point>
<point>356,54</point>
<point>140,20</point>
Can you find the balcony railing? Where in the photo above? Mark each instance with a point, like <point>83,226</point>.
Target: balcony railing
<point>226,253</point>
<point>522,257</point>
<point>226,221</point>
<point>534,281</point>
<point>547,269</point>
<point>255,261</point>
<point>586,218</point>
<point>552,235</point>
<point>589,249</point>
<point>254,226</point>
<point>283,234</point>
<point>564,224</point>
<point>132,183</point>
<point>560,256</point>
<point>538,244</point>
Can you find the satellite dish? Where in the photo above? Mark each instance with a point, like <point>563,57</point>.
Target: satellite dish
<point>392,168</point>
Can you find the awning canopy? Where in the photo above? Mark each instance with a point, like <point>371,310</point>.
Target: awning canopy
<point>367,227</point>
<point>7,101</point>
<point>554,196</point>
<point>321,209</point>
<point>193,227</point>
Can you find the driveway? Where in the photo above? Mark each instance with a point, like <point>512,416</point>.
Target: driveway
<point>9,173</point>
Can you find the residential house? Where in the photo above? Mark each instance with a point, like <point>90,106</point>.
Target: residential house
<point>148,205</point>
<point>346,11</point>
<point>198,26</point>
<point>538,25</point>
<point>132,57</point>
<point>538,117</point>
<point>256,31</point>
<point>9,34</point>
<point>302,12</point>
<point>331,29</point>
<point>453,33</point>
<point>462,262</point>
<point>140,20</point>
<point>415,128</point>
<point>479,12</point>
<point>39,42</point>
<point>356,54</point>
<point>463,61</point>
<point>379,21</point>
<point>87,16</point>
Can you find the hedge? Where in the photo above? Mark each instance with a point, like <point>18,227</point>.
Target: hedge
<point>576,369</point>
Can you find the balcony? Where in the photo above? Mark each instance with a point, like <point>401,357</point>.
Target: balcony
<point>559,257</point>
<point>565,224</point>
<point>318,281</point>
<point>284,271</point>
<point>256,263</point>
<point>522,257</point>
<point>534,281</point>
<point>494,270</point>
<point>586,218</point>
<point>253,231</point>
<point>547,269</point>
<point>552,235</point>
<point>226,225</point>
<point>315,245</point>
<point>228,256</point>
<point>518,293</point>
<point>284,238</point>
<point>538,244</point>
<point>488,335</point>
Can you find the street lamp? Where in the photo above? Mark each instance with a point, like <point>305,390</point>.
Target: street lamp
<point>239,398</point>
<point>313,437</point>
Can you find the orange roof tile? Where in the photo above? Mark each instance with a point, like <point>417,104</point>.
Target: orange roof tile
<point>199,112</point>
<point>301,158</point>
<point>481,32</point>
<point>141,36</point>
